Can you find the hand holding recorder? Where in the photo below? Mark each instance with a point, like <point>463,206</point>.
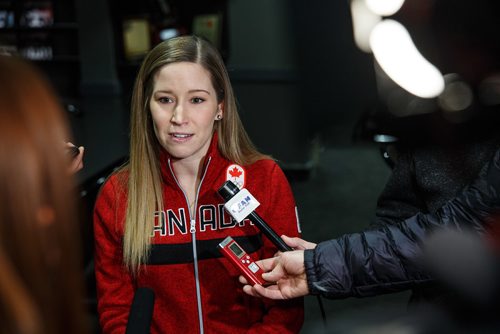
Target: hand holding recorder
<point>286,270</point>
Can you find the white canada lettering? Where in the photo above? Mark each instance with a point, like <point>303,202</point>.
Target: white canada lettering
<point>209,218</point>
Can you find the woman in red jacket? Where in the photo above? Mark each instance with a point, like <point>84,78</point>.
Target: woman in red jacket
<point>159,219</point>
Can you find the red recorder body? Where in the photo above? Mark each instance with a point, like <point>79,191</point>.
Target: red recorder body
<point>236,255</point>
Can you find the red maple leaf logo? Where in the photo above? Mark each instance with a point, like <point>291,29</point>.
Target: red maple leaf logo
<point>235,172</point>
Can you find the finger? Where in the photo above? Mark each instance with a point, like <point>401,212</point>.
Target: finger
<point>292,242</point>
<point>249,290</point>
<point>242,280</point>
<point>77,163</point>
<point>79,157</point>
<point>271,292</point>
<point>298,243</point>
<point>274,275</point>
<point>267,264</point>
<point>81,149</point>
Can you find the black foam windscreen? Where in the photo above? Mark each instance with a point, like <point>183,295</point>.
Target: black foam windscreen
<point>141,312</point>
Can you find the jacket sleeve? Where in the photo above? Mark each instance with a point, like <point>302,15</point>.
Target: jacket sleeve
<point>280,213</point>
<point>114,284</point>
<point>388,259</point>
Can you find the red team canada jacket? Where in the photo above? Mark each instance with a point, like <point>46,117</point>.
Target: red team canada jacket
<point>184,256</point>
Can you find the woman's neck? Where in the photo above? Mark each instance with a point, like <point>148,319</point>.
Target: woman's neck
<point>188,174</point>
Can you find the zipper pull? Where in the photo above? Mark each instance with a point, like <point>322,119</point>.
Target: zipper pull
<point>193,226</point>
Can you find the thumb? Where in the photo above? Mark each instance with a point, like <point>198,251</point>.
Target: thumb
<point>292,242</point>
<point>274,275</point>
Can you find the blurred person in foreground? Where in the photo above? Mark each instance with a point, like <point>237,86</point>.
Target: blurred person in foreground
<point>41,282</point>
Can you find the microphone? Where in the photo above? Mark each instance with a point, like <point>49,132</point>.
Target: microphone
<point>240,204</point>
<point>141,312</point>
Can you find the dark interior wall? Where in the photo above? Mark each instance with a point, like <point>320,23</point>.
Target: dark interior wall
<point>96,43</point>
<point>101,126</point>
<point>298,74</point>
<point>263,67</point>
<point>294,67</point>
<point>337,79</point>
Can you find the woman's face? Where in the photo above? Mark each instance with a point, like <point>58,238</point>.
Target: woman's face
<point>184,108</point>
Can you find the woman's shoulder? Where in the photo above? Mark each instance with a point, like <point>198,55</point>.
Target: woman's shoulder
<point>115,181</point>
<point>267,163</point>
<point>264,168</point>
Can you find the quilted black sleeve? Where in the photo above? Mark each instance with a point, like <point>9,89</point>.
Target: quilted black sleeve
<point>388,259</point>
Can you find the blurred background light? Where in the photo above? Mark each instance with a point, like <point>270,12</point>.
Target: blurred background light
<point>489,90</point>
<point>384,7</point>
<point>399,58</point>
<point>169,33</point>
<point>363,22</point>
<point>457,95</point>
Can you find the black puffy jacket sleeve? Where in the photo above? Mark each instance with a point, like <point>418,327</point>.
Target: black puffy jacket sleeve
<point>388,259</point>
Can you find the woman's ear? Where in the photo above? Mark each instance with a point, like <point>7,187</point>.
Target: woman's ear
<point>220,111</point>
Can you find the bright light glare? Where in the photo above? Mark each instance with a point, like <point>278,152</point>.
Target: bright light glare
<point>168,33</point>
<point>363,21</point>
<point>384,7</point>
<point>396,54</point>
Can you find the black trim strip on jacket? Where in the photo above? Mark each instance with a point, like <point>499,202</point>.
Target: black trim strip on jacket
<point>207,249</point>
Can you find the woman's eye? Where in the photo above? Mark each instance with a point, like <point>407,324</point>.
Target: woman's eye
<point>197,100</point>
<point>164,99</point>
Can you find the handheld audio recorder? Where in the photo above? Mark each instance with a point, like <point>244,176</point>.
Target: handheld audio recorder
<point>237,255</point>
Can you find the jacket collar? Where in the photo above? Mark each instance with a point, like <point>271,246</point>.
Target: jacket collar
<point>213,157</point>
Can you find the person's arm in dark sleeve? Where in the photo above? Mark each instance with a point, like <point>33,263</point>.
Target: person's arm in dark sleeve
<point>388,259</point>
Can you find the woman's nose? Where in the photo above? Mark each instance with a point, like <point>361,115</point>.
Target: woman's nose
<point>179,115</point>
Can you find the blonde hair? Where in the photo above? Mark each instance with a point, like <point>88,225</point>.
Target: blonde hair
<point>144,179</point>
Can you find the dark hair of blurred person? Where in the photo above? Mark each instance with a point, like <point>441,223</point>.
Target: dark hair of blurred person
<point>40,282</point>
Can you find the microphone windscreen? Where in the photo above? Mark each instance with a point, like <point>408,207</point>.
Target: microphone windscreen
<point>141,312</point>
<point>228,190</point>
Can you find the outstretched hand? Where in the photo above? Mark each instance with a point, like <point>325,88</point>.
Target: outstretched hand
<point>285,272</point>
<point>298,243</point>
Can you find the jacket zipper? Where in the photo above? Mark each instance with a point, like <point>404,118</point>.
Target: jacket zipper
<point>192,230</point>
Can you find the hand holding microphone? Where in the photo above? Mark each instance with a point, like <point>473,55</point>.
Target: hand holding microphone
<point>288,267</point>
<point>298,243</point>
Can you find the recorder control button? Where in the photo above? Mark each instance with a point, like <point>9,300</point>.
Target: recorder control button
<point>253,267</point>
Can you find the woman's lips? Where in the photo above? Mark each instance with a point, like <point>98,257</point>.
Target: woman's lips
<point>181,137</point>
